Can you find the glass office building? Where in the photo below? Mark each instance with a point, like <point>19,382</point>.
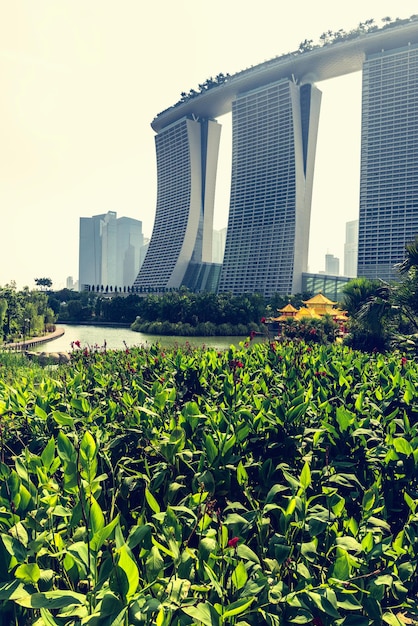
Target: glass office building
<point>389,161</point>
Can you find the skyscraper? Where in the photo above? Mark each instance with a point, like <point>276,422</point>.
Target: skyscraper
<point>273,152</point>
<point>389,163</point>
<point>109,250</point>
<point>332,265</point>
<point>187,154</point>
<point>275,110</point>
<point>351,248</point>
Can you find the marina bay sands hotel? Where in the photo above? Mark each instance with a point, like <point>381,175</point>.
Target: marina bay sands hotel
<point>275,113</point>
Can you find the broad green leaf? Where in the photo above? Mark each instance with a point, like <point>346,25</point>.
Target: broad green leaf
<point>102,534</point>
<point>129,567</point>
<point>62,418</point>
<point>95,516</point>
<point>239,576</point>
<point>380,523</point>
<point>88,447</point>
<point>19,532</point>
<point>79,552</point>
<point>154,563</point>
<point>152,502</point>
<point>242,476</point>
<point>392,620</point>
<point>359,402</point>
<point>236,608</point>
<point>369,499</point>
<point>402,446</point>
<point>81,404</point>
<point>348,543</point>
<point>305,476</point>
<point>349,603</point>
<point>213,579</point>
<point>308,550</point>
<point>13,590</point>
<point>65,448</point>
<point>139,534</point>
<point>276,489</point>
<point>14,548</point>
<point>341,569</point>
<point>204,613</point>
<point>51,599</point>
<point>206,546</point>
<point>48,453</point>
<point>28,572</point>
<point>39,412</point>
<point>244,552</point>
<point>47,619</point>
<point>227,444</point>
<point>323,603</point>
<point>385,579</point>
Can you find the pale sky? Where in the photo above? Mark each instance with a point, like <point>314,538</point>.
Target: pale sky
<point>83,79</point>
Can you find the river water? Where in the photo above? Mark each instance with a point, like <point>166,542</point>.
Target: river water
<point>118,338</point>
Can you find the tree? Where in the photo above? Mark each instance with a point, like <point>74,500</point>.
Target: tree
<point>3,309</point>
<point>371,315</point>
<point>43,282</point>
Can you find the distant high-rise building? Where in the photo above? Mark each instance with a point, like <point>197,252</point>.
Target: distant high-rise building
<point>332,265</point>
<point>218,245</point>
<point>143,251</point>
<point>351,248</point>
<point>69,283</point>
<point>389,163</point>
<point>109,250</point>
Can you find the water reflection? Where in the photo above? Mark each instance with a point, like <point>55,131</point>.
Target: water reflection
<point>119,338</point>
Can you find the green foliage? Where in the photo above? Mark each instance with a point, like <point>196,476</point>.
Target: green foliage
<point>272,483</point>
<point>323,330</point>
<point>23,313</point>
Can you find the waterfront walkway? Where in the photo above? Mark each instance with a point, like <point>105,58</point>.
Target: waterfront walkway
<point>33,341</point>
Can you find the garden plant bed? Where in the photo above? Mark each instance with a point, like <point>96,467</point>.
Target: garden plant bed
<point>272,483</point>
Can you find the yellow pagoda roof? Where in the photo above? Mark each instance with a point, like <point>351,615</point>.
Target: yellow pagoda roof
<point>305,312</point>
<point>289,308</point>
<point>320,300</point>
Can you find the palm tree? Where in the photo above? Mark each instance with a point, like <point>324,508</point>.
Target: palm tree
<point>369,307</point>
<point>411,259</point>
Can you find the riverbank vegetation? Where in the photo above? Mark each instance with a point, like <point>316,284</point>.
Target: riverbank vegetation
<point>179,312</point>
<point>24,313</point>
<point>271,483</point>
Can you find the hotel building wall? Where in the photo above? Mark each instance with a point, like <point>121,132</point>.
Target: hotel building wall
<point>187,153</point>
<point>273,151</point>
<point>389,161</point>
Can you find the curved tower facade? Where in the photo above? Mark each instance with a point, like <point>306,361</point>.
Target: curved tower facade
<point>187,154</point>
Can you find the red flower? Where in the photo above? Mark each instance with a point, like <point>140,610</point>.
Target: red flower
<point>263,320</point>
<point>404,361</point>
<point>232,543</point>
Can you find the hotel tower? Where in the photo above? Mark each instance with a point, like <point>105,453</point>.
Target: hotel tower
<point>389,161</point>
<point>275,112</point>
